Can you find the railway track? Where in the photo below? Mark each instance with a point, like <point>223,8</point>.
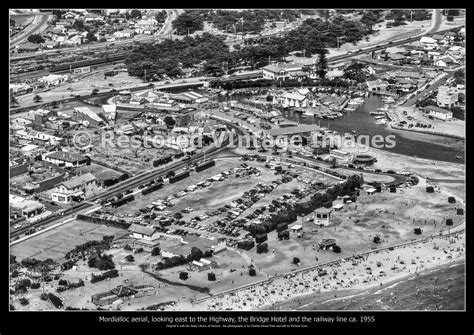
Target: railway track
<point>128,184</point>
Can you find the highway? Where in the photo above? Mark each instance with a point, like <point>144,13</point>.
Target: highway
<point>39,24</point>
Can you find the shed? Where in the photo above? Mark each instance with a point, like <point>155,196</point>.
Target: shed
<point>371,191</point>
<point>338,207</point>
<point>296,228</point>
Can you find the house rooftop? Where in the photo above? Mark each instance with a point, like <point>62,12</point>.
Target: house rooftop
<point>437,109</point>
<point>136,228</point>
<point>78,181</point>
<point>70,157</point>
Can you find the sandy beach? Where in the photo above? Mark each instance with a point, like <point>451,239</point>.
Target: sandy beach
<point>359,272</point>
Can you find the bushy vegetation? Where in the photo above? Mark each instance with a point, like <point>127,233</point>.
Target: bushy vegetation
<point>105,275</point>
<point>318,200</point>
<point>90,247</point>
<point>210,52</point>
<point>101,262</point>
<point>155,251</point>
<point>188,22</point>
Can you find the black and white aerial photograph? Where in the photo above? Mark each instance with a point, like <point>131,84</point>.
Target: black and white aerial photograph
<point>245,160</point>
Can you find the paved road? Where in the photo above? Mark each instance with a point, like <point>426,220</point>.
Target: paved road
<point>164,31</point>
<point>426,92</point>
<point>438,19</point>
<point>39,24</point>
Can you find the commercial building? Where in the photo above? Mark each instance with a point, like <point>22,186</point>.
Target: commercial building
<point>76,187</point>
<point>446,98</point>
<point>281,71</point>
<point>28,208</point>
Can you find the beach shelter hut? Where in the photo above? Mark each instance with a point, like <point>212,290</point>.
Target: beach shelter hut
<point>452,200</point>
<point>460,211</point>
<point>429,189</point>
<point>284,235</point>
<point>418,231</point>
<point>183,275</point>
<point>211,276</point>
<point>449,222</point>
<point>322,216</point>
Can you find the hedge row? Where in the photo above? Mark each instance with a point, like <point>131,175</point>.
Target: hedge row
<point>118,224</point>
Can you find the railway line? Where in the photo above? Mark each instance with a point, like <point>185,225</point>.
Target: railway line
<point>127,184</point>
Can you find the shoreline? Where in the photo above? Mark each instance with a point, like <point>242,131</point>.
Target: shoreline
<point>445,249</point>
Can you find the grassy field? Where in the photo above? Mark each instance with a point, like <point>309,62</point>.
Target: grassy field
<point>57,242</point>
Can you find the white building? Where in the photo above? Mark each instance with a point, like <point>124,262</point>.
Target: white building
<point>322,216</point>
<point>438,113</point>
<point>75,187</point>
<point>28,208</point>
<point>141,232</point>
<point>53,79</point>
<point>446,98</point>
<point>281,71</point>
<point>63,158</point>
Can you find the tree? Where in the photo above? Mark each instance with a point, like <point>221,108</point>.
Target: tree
<point>136,14</point>
<point>130,258</point>
<point>170,121</point>
<point>13,101</point>
<point>58,13</point>
<point>36,39</point>
<point>37,98</point>
<point>23,301</point>
<point>155,251</point>
<point>459,77</point>
<point>322,65</point>
<point>161,16</point>
<point>195,254</point>
<point>78,24</point>
<point>188,22</point>
<point>91,37</point>
<point>178,216</point>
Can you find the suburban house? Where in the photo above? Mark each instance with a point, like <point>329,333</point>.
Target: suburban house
<point>281,71</point>
<point>141,232</point>
<point>73,188</point>
<point>377,85</point>
<point>429,42</point>
<point>445,61</point>
<point>67,159</point>
<point>446,98</point>
<point>28,208</point>
<point>438,113</point>
<point>294,99</point>
<point>41,137</point>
